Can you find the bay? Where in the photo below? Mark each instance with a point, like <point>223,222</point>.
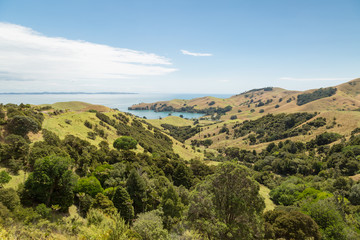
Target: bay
<point>119,101</point>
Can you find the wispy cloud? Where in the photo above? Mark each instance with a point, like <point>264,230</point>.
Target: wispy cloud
<point>28,55</point>
<point>314,79</point>
<point>185,52</point>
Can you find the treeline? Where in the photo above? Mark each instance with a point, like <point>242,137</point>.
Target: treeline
<point>181,133</point>
<point>317,94</point>
<point>265,89</point>
<point>275,127</point>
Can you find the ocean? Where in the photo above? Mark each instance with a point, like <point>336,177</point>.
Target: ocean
<point>119,101</point>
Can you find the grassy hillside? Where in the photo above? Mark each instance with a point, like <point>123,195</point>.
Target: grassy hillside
<point>76,106</point>
<point>73,122</point>
<point>257,102</point>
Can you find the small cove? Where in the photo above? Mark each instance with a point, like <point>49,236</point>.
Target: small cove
<point>119,101</point>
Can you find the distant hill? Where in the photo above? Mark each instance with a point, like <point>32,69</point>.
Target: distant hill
<point>337,106</point>
<point>256,102</point>
<point>76,106</point>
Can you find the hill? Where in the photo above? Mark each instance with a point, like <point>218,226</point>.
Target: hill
<point>257,102</point>
<point>289,165</point>
<point>75,106</point>
<point>337,105</point>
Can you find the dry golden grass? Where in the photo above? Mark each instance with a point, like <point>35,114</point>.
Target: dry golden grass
<point>173,120</point>
<point>264,192</point>
<point>346,121</point>
<point>77,106</point>
<point>355,178</point>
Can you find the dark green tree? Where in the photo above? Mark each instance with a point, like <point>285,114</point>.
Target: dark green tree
<point>355,194</point>
<point>16,147</point>
<point>123,203</point>
<point>136,187</point>
<point>4,178</point>
<point>22,125</point>
<point>125,143</point>
<point>182,176</point>
<point>290,225</point>
<point>52,182</point>
<point>172,207</point>
<point>51,138</point>
<point>227,205</point>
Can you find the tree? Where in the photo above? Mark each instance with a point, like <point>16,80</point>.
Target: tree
<point>123,203</point>
<point>16,147</point>
<point>9,198</point>
<point>172,207</point>
<point>290,225</point>
<point>182,176</point>
<point>52,182</point>
<point>125,143</point>
<point>4,178</point>
<point>22,125</point>
<point>51,138</point>
<point>227,205</point>
<point>149,226</point>
<point>136,188</point>
<point>326,215</point>
<point>355,194</point>
<point>103,203</point>
<point>89,185</point>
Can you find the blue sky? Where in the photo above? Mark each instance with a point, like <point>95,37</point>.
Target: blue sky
<point>139,46</point>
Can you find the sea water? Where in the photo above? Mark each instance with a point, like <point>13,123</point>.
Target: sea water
<point>119,101</point>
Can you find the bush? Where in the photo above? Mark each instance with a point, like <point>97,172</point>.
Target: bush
<point>4,178</point>
<point>22,125</point>
<point>88,124</point>
<point>150,226</point>
<point>89,185</point>
<point>318,94</point>
<point>9,198</point>
<point>125,143</point>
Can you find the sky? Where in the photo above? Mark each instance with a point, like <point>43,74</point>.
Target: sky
<point>177,46</point>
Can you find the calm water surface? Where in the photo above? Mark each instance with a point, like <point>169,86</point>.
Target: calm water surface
<point>119,101</point>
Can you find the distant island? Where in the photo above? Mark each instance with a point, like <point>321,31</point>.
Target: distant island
<point>42,93</point>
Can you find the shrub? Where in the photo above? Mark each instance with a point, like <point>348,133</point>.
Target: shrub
<point>125,143</point>
<point>22,125</point>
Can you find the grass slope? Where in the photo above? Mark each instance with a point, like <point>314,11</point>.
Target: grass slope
<point>61,126</point>
<point>77,106</point>
<point>265,193</point>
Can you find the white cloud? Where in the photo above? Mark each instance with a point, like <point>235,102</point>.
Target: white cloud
<point>315,79</point>
<point>185,52</point>
<point>26,55</point>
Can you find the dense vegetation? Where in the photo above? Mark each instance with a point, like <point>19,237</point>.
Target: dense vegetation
<point>181,133</point>
<point>266,89</point>
<point>275,127</point>
<point>308,179</point>
<point>136,187</point>
<point>317,94</point>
